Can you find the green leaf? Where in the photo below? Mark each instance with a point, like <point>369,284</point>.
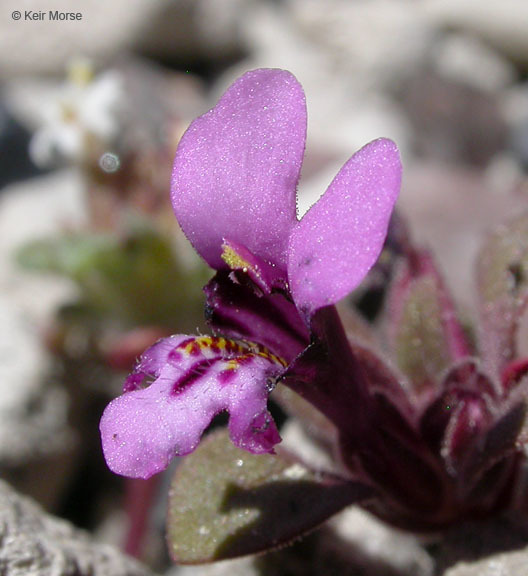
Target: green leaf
<point>69,255</point>
<point>502,275</point>
<point>226,503</point>
<point>422,351</point>
<point>135,279</point>
<point>424,328</point>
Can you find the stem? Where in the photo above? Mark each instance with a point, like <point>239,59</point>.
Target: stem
<point>139,496</point>
<point>328,375</point>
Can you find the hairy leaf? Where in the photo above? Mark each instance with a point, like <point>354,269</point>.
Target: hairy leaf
<point>425,332</point>
<point>225,502</point>
<point>421,349</point>
<point>503,289</point>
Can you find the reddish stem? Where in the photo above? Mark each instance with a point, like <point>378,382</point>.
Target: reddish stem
<point>139,496</point>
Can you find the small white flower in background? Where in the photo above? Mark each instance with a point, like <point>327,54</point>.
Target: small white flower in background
<point>83,121</point>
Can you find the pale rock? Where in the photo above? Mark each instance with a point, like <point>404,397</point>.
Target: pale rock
<point>398,552</point>
<point>506,564</point>
<point>450,209</point>
<point>374,42</point>
<point>468,60</point>
<point>345,84</point>
<point>44,46</point>
<point>36,442</point>
<point>33,210</point>
<point>311,189</point>
<point>296,440</point>
<point>514,103</point>
<point>179,30</point>
<point>502,24</point>
<point>195,30</point>
<point>33,543</point>
<point>515,109</point>
<point>241,567</point>
<point>32,421</point>
<point>454,121</point>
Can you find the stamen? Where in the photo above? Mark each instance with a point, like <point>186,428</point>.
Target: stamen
<point>234,260</point>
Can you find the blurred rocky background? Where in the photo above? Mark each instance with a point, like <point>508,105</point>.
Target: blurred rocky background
<point>93,268</point>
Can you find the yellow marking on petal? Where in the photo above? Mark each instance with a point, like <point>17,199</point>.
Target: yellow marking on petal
<point>241,348</point>
<point>190,346</point>
<point>204,342</point>
<point>232,364</point>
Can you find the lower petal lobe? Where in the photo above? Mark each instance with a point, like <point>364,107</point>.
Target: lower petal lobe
<point>192,380</point>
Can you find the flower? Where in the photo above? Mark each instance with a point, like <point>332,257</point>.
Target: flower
<point>84,119</point>
<point>234,195</point>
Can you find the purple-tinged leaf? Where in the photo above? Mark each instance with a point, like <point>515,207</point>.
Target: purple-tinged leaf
<point>407,478</point>
<point>464,391</point>
<point>471,429</point>
<point>513,374</point>
<point>340,238</point>
<point>419,345</point>
<point>502,276</point>
<point>465,434</point>
<point>469,377</point>
<point>237,166</point>
<point>382,381</point>
<point>226,503</point>
<point>424,330</point>
<point>503,436</point>
<point>494,464</point>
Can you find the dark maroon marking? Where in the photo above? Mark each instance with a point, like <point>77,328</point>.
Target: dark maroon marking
<point>184,343</point>
<point>229,306</point>
<point>245,359</point>
<point>134,382</point>
<point>192,374</point>
<point>195,349</point>
<point>174,356</point>
<point>215,349</point>
<point>226,376</point>
<point>231,346</point>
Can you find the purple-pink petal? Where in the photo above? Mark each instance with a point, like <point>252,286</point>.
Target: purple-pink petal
<point>152,360</point>
<point>196,378</point>
<point>237,167</point>
<point>340,238</point>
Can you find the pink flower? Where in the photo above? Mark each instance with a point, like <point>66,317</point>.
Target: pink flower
<point>234,194</point>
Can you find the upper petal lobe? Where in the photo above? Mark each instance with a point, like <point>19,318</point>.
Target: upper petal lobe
<point>340,238</point>
<point>237,167</point>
